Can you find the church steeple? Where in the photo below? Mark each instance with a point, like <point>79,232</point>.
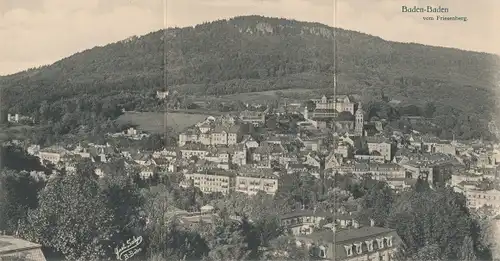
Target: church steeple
<point>359,121</point>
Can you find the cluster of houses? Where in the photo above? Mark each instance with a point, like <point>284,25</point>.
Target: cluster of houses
<point>239,153</point>
<point>478,180</point>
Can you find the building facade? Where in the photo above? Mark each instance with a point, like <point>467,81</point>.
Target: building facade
<point>216,181</point>
<point>354,244</point>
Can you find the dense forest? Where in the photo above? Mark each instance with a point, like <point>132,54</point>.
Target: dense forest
<point>253,53</point>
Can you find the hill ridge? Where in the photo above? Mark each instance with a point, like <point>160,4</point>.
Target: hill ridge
<point>256,53</point>
<point>238,19</point>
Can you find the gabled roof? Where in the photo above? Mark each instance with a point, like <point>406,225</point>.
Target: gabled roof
<point>347,237</point>
<point>10,244</point>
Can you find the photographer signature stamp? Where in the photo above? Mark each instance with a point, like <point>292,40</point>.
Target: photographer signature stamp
<point>128,249</point>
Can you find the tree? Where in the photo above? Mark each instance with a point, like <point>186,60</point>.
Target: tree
<point>229,242</point>
<point>125,201</point>
<point>377,203</point>
<point>437,220</point>
<point>268,228</point>
<point>72,218</point>
<point>429,109</point>
<point>431,252</point>
<point>310,105</point>
<point>18,195</point>
<point>177,243</point>
<point>345,116</point>
<point>285,248</point>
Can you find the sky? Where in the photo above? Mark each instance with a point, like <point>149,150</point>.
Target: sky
<point>40,32</point>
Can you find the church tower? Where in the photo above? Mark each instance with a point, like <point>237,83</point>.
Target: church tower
<point>359,121</point>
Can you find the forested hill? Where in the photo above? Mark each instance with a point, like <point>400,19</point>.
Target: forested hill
<point>254,53</point>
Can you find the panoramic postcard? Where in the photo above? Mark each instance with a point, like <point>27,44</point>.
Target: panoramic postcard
<point>242,130</point>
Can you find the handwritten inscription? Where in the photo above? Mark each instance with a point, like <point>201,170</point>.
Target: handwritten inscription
<point>129,249</point>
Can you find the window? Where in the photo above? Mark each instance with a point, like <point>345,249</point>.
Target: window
<point>380,243</point>
<point>348,250</point>
<point>358,248</point>
<point>389,241</point>
<point>369,245</point>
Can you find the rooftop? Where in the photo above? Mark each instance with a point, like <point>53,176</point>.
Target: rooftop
<point>350,234</point>
<point>9,244</point>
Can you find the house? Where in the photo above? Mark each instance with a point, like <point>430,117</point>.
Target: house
<point>303,222</point>
<point>465,177</point>
<point>210,181</point>
<point>342,103</point>
<point>252,180</point>
<point>267,152</point>
<point>255,118</point>
<point>380,145</point>
<point>401,184</point>
<point>13,118</point>
<point>342,148</point>
<point>147,172</point>
<point>477,198</point>
<point>249,142</point>
<point>333,161</point>
<point>357,243</point>
<point>419,170</point>
<point>16,118</point>
<point>169,154</point>
<point>238,154</point>
<point>296,167</point>
<point>311,159</point>
<point>372,158</point>
<point>33,150</point>
<point>52,154</point>
<point>222,131</point>
<point>161,95</point>
<point>194,150</point>
<point>12,248</point>
<point>347,139</point>
<point>311,143</point>
<point>143,159</point>
<point>379,171</point>
<point>432,144</point>
<point>226,135</point>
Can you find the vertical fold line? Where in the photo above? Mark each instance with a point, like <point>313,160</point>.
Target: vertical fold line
<point>335,208</point>
<point>165,75</point>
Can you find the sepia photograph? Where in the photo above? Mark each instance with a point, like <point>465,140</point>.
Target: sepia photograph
<point>249,130</point>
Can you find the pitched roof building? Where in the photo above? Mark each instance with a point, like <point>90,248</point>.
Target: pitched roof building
<point>12,247</point>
